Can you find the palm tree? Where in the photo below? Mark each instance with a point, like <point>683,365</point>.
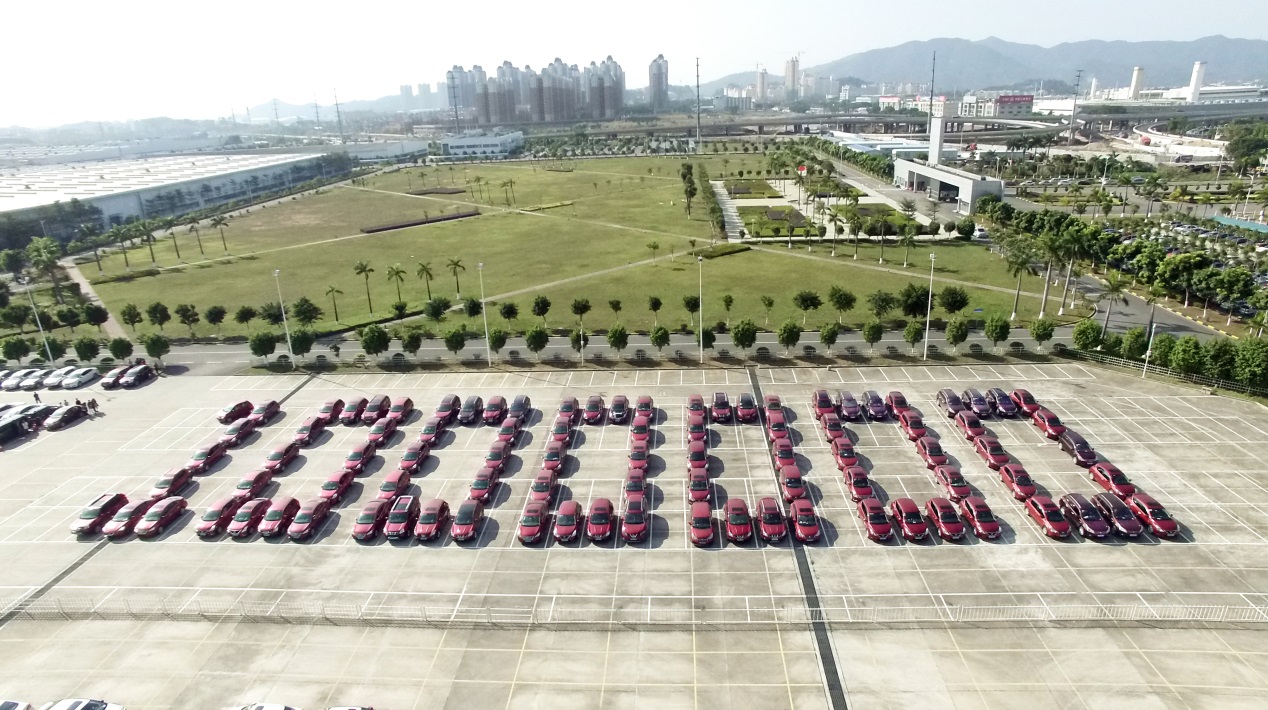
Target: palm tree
<point>169,225</point>
<point>363,269</point>
<point>1155,292</point>
<point>1018,254</point>
<point>397,274</point>
<point>141,229</point>
<point>454,266</point>
<point>193,229</point>
<point>1114,291</point>
<point>119,235</point>
<point>855,220</point>
<point>1052,249</point>
<point>220,222</point>
<point>424,273</point>
<point>332,292</point>
<point>88,231</point>
<point>907,241</point>
<point>509,184</point>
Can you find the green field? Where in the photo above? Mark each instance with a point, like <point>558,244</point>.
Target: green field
<point>788,215</point>
<point>751,190</point>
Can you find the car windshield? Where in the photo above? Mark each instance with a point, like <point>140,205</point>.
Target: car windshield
<point>531,520</point>
<point>701,523</point>
<point>806,519</point>
<point>956,482</point>
<point>567,407</point>
<point>633,517</point>
<point>543,486</point>
<point>696,427</point>
<point>246,483</point>
<point>304,429</point>
<point>900,401</point>
<point>592,406</point>
<point>90,513</point>
<point>506,429</point>
<point>699,484</point>
<point>834,425</point>
<point>1054,516</point>
<point>1159,514</point>
<point>876,518</point>
<point>164,483</point>
<point>1023,480</point>
<point>698,456</point>
<point>566,520</point>
<point>480,484</point>
<point>398,407</point>
<point>1054,421</point>
<point>429,429</point>
<point>1027,398</point>
<point>638,455</point>
<point>154,514</point>
<point>497,456</point>
<point>824,401</point>
<point>739,519</point>
<point>984,516</point>
<point>243,516</point>
<point>994,449</point>
<point>912,517</point>
<point>366,518</point>
<point>427,519</point>
<point>1123,514</point>
<point>746,402</point>
<point>410,456</point>
<point>388,485</point>
<point>1082,447</point>
<point>934,449</point>
<point>1091,514</point>
<point>635,484</point>
<point>639,429</point>
<point>560,429</point>
<point>695,406</point>
<point>550,456</point>
<point>378,428</point>
<point>355,456</point>
<point>304,517</point>
<point>260,409</point>
<point>860,482</point>
<point>234,429</point>
<point>784,454</point>
<point>201,455</point>
<point>326,409</point>
<point>276,456</point>
<point>792,482</point>
<point>948,516</point>
<point>778,426</point>
<point>327,486</point>
<point>212,514</point>
<point>599,518</point>
<point>468,408</point>
<point>273,515</point>
<point>1118,479</point>
<point>772,518</point>
<point>493,407</point>
<point>618,406</point>
<point>466,516</point>
<point>398,516</point>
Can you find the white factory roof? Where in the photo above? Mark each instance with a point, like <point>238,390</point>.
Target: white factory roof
<point>22,189</point>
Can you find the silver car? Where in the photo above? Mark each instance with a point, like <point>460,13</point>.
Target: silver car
<point>14,380</point>
<point>80,377</point>
<point>54,378</point>
<point>34,380</point>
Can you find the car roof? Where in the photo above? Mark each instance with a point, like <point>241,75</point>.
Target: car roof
<point>473,398</point>
<point>696,446</point>
<point>803,503</point>
<point>701,507</point>
<point>872,505</point>
<point>594,398</point>
<point>103,498</point>
<point>1073,437</point>
<point>404,502</point>
<point>790,471</point>
<point>569,505</point>
<point>400,400</point>
<point>600,502</point>
<point>905,504</point>
<point>335,476</point>
<point>1077,499</point>
<point>496,399</point>
<point>941,503</point>
<point>620,398</point>
<point>282,501</point>
<point>736,504</point>
<point>470,504</point>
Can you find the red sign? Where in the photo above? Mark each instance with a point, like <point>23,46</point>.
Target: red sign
<point>801,169</point>
<point>1017,99</point>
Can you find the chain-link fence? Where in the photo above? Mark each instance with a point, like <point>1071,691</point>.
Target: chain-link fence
<point>1139,366</point>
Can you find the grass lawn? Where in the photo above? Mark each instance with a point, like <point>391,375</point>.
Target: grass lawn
<point>751,189</point>
<point>875,210</point>
<point>790,216</point>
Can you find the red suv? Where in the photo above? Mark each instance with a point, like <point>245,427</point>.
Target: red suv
<point>771,525</point>
<point>98,512</point>
<point>701,524</point>
<point>739,524</point>
<point>376,409</point>
<point>401,408</point>
<point>234,412</point>
<point>907,516</point>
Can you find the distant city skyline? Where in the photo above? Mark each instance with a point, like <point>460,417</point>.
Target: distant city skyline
<point>139,59</point>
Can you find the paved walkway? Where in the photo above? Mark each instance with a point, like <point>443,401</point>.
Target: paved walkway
<point>111,327</point>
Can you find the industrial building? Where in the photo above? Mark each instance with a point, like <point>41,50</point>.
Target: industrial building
<point>888,146</point>
<point>494,144</point>
<point>971,105</point>
<point>942,183</point>
<point>1196,91</point>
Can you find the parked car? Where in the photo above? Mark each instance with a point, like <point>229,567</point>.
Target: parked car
<point>949,402</point>
<point>599,520</point>
<point>640,430</point>
<point>1077,447</point>
<point>1049,423</point>
<point>635,487</point>
<point>944,518</point>
<point>252,484</point>
<point>1048,516</point>
<point>555,456</point>
<point>833,430</point>
<point>248,517</point>
<point>309,431</point>
<point>746,408</point>
<point>171,483</point>
<point>534,522</point>
<point>791,483</point>
<point>697,428</point>
<point>1083,515</point>
<point>80,377</point>
<point>218,516</point>
<point>568,521</point>
<point>980,517</point>
<point>906,515</point>
<point>352,410</point>
<point>568,407</point>
<point>805,522</point>
<point>53,380</point>
<point>594,411</point>
<point>402,518</point>
<point>771,524</point>
<point>15,379</point>
<point>124,521</point>
<point>857,484</point>
<point>281,513</point>
<point>97,513</point>
<point>509,430</point>
<point>1121,518</point>
<point>849,407</point>
<point>394,484</point>
<point>896,403</point>
<point>432,517</point>
<point>952,482</point>
<point>543,487</point>
<point>371,520</point>
<point>376,409</point>
<point>929,449</point>
<point>1024,401</point>
<point>413,457</point>
<point>782,454</point>
<point>721,410</point>
<point>109,381</point>
<point>310,517</point>
<point>912,425</point>
<point>63,417</point>
<point>619,411</point>
<point>330,411</point>
<point>205,456</point>
<point>644,406</point>
<point>970,425</point>
<point>264,412</point>
<point>1109,477</point>
<point>697,457</point>
<point>521,407</point>
<point>484,484</point>
<point>494,410</point>
<point>991,451</point>
<point>431,431</point>
<point>843,453</point>
<point>874,406</point>
<point>1151,514</point>
<point>360,455</point>
<point>163,513</point>
<point>976,403</point>
<point>701,524</point>
<point>472,410</point>
<point>1001,404</point>
<point>336,485</point>
<point>776,427</point>
<point>280,457</point>
<point>821,403</point>
<point>382,430</point>
<point>234,412</point>
<point>737,522</point>
<point>872,513</point>
<point>561,430</point>
<point>698,486</point>
<point>447,410</point>
<point>135,377</point>
<point>634,524</point>
<point>638,455</point>
<point>401,408</point>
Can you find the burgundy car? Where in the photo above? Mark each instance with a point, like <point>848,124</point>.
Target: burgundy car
<point>746,408</point>
<point>874,406</point>
<point>205,457</point>
<point>635,486</point>
<point>931,451</point>
<point>309,518</point>
<point>737,521</point>
<point>843,453</point>
<point>521,407</point>
<point>771,524</point>
<point>773,405</point>
<point>494,410</point>
<point>1151,513</point>
<point>857,483</point>
<point>122,522</point>
<point>237,432</point>
<point>776,427</point>
<point>248,517</point>
<point>534,522</point>
<point>599,520</point>
<point>701,524</point>
<point>1077,447</point>
<point>791,483</point>
<point>382,430</point>
<point>498,454</point>
<point>634,522</point>
<point>981,519</point>
<point>594,410</point>
<point>1048,516</point>
<point>896,402</point>
<point>561,430</point>
<point>1049,423</point>
<point>1024,400</point>
<point>171,483</point>
<point>640,430</point>
<point>371,520</point>
<point>360,455</point>
<point>970,425</point>
<point>952,482</point>
<point>543,487</point>
<point>907,517</point>
<point>945,519</point>
<point>432,429</point>
<point>1118,515</point>
<point>218,516</point>
<point>949,402</point>
<point>394,484</point>
<point>467,521</point>
<point>872,513</point>
<point>231,413</point>
<point>568,521</point>
<point>833,430</point>
<point>1083,515</point>
<point>265,412</point>
<point>484,484</point>
<point>281,457</point>
<point>336,485</point>
<point>376,409</point>
<point>698,487</point>
<point>721,410</point>
<point>975,402</point>
<point>413,458</point>
<point>1109,477</point>
<point>697,457</point>
<point>1017,480</point>
<point>309,430</point>
<point>697,428</point>
<point>782,454</point>
<point>329,412</point>
<point>991,451</point>
<point>644,406</point>
<point>821,403</point>
<point>554,458</point>
<point>638,455</point>
<point>912,425</point>
<point>509,430</point>
<point>97,513</point>
<point>619,411</point>
<point>401,408</point>
<point>252,484</point>
<point>849,407</point>
<point>432,517</point>
<point>282,511</point>
<point>111,379</point>
<point>1001,404</point>
<point>352,410</point>
<point>447,410</point>
<point>160,515</point>
<point>402,518</point>
<point>805,522</point>
<point>568,407</point>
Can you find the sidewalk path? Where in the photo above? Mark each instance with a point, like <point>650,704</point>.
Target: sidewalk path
<point>111,327</point>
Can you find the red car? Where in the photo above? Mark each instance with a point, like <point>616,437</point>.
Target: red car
<point>821,403</point>
<point>500,451</point>
<point>98,513</point>
<point>635,487</point>
<point>697,457</point>
<point>594,411</point>
<point>697,429</point>
<point>833,430</point>
<point>1000,403</point>
<point>205,457</point>
<point>1024,401</point>
<point>447,410</point>
<point>569,408</point>
<point>1109,477</point>
<point>352,410</point>
<point>1151,513</point>
<point>561,430</point>
<point>252,484</point>
<point>776,426</point>
<point>843,453</point>
<point>231,413</point>
<point>791,483</point>
<point>237,432</point>
<point>309,518</point>
<point>171,483</point>
<point>720,412</point>
<point>382,430</point>
<point>401,408</point>
<point>619,412</point>
<point>394,484</point>
<point>568,521</point>
<point>701,525</point>
<point>415,453</point>
<point>981,519</point>
<point>248,517</point>
<point>371,520</point>
<point>782,454</point>
<point>773,405</point>
<point>1049,423</point>
<point>738,523</point>
<point>599,520</point>
<point>771,524</point>
<point>944,519</point>
<point>872,513</point>
<point>638,455</point>
<point>1073,443</point>
<point>952,482</point>
<point>402,518</point>
<point>543,487</point>
<point>896,403</point>
<point>1017,480</point>
<point>991,451</point>
<point>521,407</point>
<point>111,379</point>
<point>640,430</point>
<point>634,522</point>
<point>123,521</point>
<point>969,424</point>
<point>1118,515</point>
<point>644,407</point>
<point>698,486</point>
<point>360,455</point>
<point>1083,515</point>
<point>857,483</point>
<point>484,484</point>
<point>494,410</point>
<point>509,430</point>
<point>931,451</point>
<point>907,517</point>
<point>912,425</point>
<point>746,408</point>
<point>1048,516</point>
<point>281,512</point>
<point>849,406</point>
<point>976,403</point>
<point>309,431</point>
<point>160,515</point>
<point>329,412</point>
<point>556,452</point>
<point>432,518</point>
<point>264,413</point>
<point>432,429</point>
<point>467,521</point>
<point>281,457</point>
<point>376,409</point>
<point>218,516</point>
<point>534,522</point>
<point>336,485</point>
<point>695,406</point>
<point>472,410</point>
<point>805,523</point>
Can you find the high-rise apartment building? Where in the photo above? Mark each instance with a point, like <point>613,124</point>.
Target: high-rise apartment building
<point>759,95</point>
<point>792,79</point>
<point>658,83</point>
<point>560,92</point>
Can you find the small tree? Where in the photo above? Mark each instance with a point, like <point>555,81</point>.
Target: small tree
<point>788,335</point>
<point>70,317</point>
<point>618,338</point>
<point>872,332</point>
<point>913,300</point>
<point>305,312</point>
<point>1042,330</point>
<point>953,299</point>
<point>659,337</point>
<point>1134,343</point>
<point>96,314</point>
<point>188,316</point>
<point>15,348</point>
<point>653,304</point>
<point>215,315</point>
<point>1086,335</point>
<point>841,301</point>
<point>472,307</point>
<point>302,341</point>
<point>536,338</point>
<point>727,302</point>
<point>157,314</point>
<point>497,340</point>
<point>580,307</point>
<point>456,339</point>
<point>914,333</point>
<point>398,309</point>
<point>957,332</point>
<point>578,340</point>
<point>1219,357</point>
<point>271,313</point>
<point>828,335</point>
<point>767,304</point>
<point>996,329</point>
<point>411,341</point>
<point>1160,351</point>
<point>541,306</point>
<point>156,346</point>
<point>120,348</point>
<point>881,303</point>
<point>375,340</point>
<point>436,308</point>
<point>87,348</point>
<point>244,315</point>
<point>1186,356</point>
<point>707,338</point>
<point>615,305</point>
<point>744,334</point>
<point>262,344</point>
<point>131,315</point>
<point>692,304</point>
<point>509,311</point>
<point>1251,364</point>
<point>965,227</point>
<point>806,301</point>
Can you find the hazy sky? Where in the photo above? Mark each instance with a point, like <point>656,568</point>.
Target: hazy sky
<point>72,60</point>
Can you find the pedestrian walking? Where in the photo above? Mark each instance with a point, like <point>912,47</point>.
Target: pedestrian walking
<point>93,404</point>
<point>79,404</point>
<point>37,398</point>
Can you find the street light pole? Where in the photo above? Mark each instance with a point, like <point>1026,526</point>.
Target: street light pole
<point>488,349</point>
<point>35,312</point>
<point>1149,349</point>
<point>700,311</point>
<point>929,307</point>
<point>285,326</point>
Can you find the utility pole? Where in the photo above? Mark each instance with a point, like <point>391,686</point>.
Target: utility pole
<point>933,74</point>
<point>1074,106</point>
<point>277,121</point>
<point>316,114</point>
<point>453,104</point>
<point>699,138</point>
<point>339,119</point>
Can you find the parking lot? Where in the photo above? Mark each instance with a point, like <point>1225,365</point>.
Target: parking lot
<point>447,624</point>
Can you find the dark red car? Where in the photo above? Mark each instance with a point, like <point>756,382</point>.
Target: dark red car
<point>281,512</point>
<point>161,514</point>
<point>376,409</point>
<point>952,482</point>
<point>1083,515</point>
<point>697,428</point>
<point>97,513</point>
<point>1151,513</point>
<point>782,454</point>
<point>252,484</point>
<point>737,521</point>
<point>698,487</point>
<point>1001,404</point>
<point>309,518</point>
<point>970,425</point>
<point>123,521</point>
<point>1109,477</point>
<point>697,457</point>
<point>1077,447</point>
<point>843,453</point>
<point>949,402</point>
<point>746,408</point>
<point>543,487</point>
<point>1024,400</point>
<point>111,379</point>
<point>231,413</point>
<point>805,522</point>
<point>599,520</point>
<point>857,484</point>
<point>509,430</point>
<point>980,518</point>
<point>534,522</point>
<point>1118,515</point>
<point>1049,423</point>
<point>695,406</point>
<point>912,425</point>
<point>821,403</point>
<point>635,486</point>
<point>568,407</point>
<point>991,451</point>
<point>360,455</point>
<point>791,483</point>
<point>494,410</point>
<point>447,410</point>
<point>401,408</point>
<point>402,518</point>
<point>619,412</point>
<point>721,410</point>
<point>561,430</point>
<point>945,519</point>
<point>218,516</point>
<point>171,483</point>
<point>336,485</point>
<point>872,513</point>
<point>701,524</point>
<point>644,406</point>
<point>1048,516</point>
<point>556,453</point>
<point>414,456</point>
<point>896,402</point>
<point>265,412</point>
<point>849,407</point>
<point>432,517</point>
<point>833,430</point>
<point>907,517</point>
<point>568,521</point>
<point>248,517</point>
<point>771,524</point>
<point>205,457</point>
<point>432,429</point>
<point>1017,480</point>
<point>382,430</point>
<point>467,521</point>
<point>931,451</point>
<point>237,432</point>
<point>484,484</point>
<point>634,522</point>
<point>594,410</point>
<point>309,430</point>
<point>975,402</point>
<point>352,410</point>
<point>638,455</point>
<point>776,427</point>
<point>371,520</point>
<point>330,411</point>
<point>640,430</point>
<point>394,484</point>
<point>280,457</point>
<point>874,406</point>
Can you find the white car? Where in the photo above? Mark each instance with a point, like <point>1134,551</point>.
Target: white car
<point>54,378</point>
<point>14,380</point>
<point>34,380</point>
<point>80,377</point>
<point>14,705</point>
<point>268,706</point>
<point>81,704</point>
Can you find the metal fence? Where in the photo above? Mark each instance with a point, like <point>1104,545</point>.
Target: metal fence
<point>1138,366</point>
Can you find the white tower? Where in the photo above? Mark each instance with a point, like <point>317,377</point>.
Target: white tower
<point>1138,78</point>
<point>1195,82</point>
